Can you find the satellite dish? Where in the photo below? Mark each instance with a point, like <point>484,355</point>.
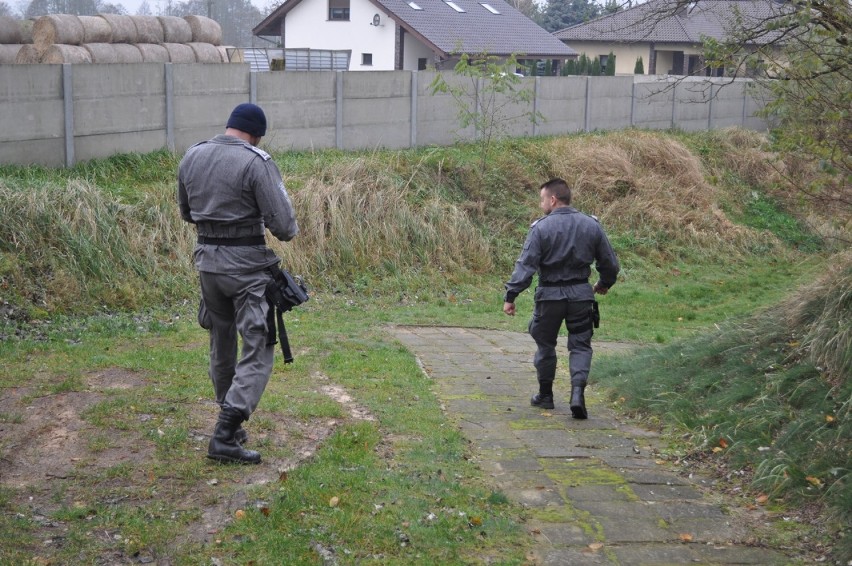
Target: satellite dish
<point>377,20</point>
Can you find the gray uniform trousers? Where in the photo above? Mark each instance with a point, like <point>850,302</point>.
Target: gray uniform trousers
<point>547,319</point>
<point>233,304</point>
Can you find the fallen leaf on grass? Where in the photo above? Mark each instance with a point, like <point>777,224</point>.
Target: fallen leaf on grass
<point>761,499</point>
<point>240,514</point>
<point>686,537</point>
<point>596,546</point>
<point>814,481</point>
<point>334,501</point>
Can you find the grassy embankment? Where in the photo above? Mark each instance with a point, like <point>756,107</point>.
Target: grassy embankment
<point>707,237</point>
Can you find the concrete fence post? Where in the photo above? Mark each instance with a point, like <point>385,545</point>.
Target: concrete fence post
<point>674,106</point>
<point>413,140</point>
<point>68,110</point>
<point>338,119</point>
<point>170,106</point>
<point>586,117</point>
<point>745,102</point>
<point>633,103</point>
<point>253,88</point>
<point>477,108</point>
<point>536,87</point>
<point>710,109</point>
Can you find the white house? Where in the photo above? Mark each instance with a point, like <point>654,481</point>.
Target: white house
<point>410,34</point>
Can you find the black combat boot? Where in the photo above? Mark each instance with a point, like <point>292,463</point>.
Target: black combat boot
<point>223,446</point>
<point>542,401</point>
<point>578,402</point>
<point>241,436</point>
<point>544,398</point>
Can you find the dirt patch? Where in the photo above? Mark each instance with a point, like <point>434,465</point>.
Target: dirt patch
<point>48,446</point>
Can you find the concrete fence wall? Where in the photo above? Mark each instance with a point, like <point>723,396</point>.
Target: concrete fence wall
<point>58,115</point>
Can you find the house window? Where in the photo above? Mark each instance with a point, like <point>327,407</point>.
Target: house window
<point>454,6</point>
<point>338,10</point>
<point>421,64</point>
<point>604,60</point>
<point>489,7</point>
<point>414,6</point>
<point>366,58</point>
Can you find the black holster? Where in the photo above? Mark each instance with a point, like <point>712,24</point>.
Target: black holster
<point>584,323</point>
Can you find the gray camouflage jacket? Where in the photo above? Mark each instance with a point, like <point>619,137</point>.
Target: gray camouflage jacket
<point>561,247</point>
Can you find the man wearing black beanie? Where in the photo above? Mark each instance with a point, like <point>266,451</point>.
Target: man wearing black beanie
<point>232,191</point>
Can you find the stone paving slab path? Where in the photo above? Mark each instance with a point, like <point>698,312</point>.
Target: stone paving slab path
<point>594,489</point>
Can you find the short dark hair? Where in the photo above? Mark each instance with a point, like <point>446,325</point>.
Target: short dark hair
<point>560,189</point>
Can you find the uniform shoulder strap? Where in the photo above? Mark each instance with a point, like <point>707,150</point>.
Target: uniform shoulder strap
<point>263,155</point>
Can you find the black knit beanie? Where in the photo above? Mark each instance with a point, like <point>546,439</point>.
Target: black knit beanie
<point>248,118</point>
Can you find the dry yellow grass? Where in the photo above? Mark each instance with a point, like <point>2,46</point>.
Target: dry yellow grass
<point>355,217</point>
<point>822,315</point>
<point>646,182</point>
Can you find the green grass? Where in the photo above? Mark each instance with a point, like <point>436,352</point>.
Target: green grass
<point>390,476</point>
<point>748,390</point>
<point>440,240</point>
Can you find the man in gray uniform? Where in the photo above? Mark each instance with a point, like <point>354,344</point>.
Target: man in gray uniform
<point>232,191</point>
<point>561,247</point>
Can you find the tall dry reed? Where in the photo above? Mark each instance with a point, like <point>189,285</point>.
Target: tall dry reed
<point>358,218</point>
<point>649,184</point>
<point>65,244</point>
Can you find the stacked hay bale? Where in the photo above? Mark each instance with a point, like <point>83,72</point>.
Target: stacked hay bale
<point>14,34</point>
<point>115,38</point>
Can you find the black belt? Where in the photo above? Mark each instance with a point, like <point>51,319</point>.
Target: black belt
<point>247,241</point>
<point>562,283</point>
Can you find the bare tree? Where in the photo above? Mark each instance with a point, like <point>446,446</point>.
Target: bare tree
<point>800,54</point>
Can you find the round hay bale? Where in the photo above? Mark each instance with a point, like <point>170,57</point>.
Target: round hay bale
<point>26,30</point>
<point>101,52</point>
<point>123,28</point>
<point>61,53</point>
<point>10,31</point>
<point>95,29</point>
<point>148,29</point>
<point>204,30</point>
<point>180,53</point>
<point>153,53</point>
<point>29,54</point>
<point>175,29</point>
<point>205,52</point>
<point>9,53</point>
<point>62,29</point>
<point>127,53</point>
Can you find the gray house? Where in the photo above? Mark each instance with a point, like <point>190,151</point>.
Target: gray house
<point>668,34</point>
<point>409,34</point>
